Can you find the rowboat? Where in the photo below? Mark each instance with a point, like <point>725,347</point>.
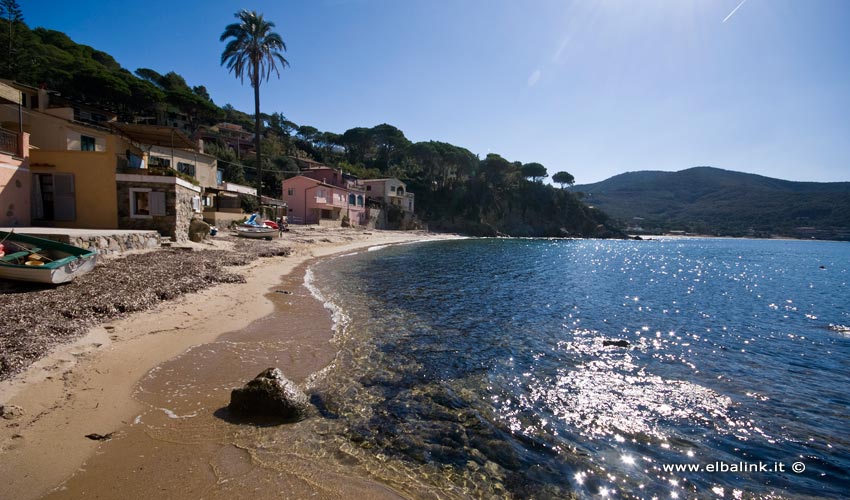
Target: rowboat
<point>27,258</point>
<point>250,231</point>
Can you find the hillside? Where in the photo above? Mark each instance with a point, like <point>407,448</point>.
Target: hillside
<point>455,189</point>
<point>720,202</point>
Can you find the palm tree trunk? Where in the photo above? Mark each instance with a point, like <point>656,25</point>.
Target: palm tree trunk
<point>257,132</point>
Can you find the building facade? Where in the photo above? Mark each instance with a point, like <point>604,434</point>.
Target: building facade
<point>390,191</point>
<point>311,201</point>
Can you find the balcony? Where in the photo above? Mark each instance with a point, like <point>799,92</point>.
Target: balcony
<point>9,143</point>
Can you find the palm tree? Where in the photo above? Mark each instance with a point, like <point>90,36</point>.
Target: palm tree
<point>255,50</point>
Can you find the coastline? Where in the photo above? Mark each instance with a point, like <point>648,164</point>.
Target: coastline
<point>88,386</point>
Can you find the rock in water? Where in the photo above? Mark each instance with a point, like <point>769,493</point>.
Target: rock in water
<point>615,343</point>
<point>270,394</point>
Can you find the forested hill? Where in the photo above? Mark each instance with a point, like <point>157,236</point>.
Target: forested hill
<point>455,189</point>
<point>710,200</point>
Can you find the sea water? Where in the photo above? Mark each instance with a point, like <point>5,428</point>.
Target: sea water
<point>672,368</point>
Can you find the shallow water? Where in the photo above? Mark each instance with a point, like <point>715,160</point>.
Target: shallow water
<point>480,367</point>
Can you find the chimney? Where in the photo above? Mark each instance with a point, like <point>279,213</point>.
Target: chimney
<point>43,99</point>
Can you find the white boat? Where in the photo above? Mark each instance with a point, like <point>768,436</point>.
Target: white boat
<point>38,260</point>
<point>249,231</point>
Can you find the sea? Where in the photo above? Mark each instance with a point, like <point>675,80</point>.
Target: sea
<point>552,368</point>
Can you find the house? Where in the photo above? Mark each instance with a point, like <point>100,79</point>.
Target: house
<point>14,165</point>
<point>312,201</point>
<point>235,137</point>
<point>160,179</point>
<point>67,152</point>
<point>389,191</point>
<point>223,204</point>
<point>88,171</point>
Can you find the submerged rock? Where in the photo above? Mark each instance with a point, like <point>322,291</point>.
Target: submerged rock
<point>615,343</point>
<point>270,394</point>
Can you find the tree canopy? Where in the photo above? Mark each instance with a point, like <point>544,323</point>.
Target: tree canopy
<point>253,49</point>
<point>564,178</point>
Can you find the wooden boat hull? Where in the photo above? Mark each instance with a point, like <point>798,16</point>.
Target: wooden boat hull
<point>59,262</point>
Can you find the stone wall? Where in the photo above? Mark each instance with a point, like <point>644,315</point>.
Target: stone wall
<point>178,210</point>
<point>109,243</point>
<point>330,223</point>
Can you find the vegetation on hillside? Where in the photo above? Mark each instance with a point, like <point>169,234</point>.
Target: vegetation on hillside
<point>454,189</point>
<point>707,200</point>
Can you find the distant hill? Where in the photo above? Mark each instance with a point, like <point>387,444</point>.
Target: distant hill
<point>708,200</point>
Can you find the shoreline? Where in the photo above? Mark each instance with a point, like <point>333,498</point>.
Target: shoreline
<point>88,386</point>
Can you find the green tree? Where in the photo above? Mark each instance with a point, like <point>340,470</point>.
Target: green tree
<point>12,17</point>
<point>307,133</point>
<point>358,145</point>
<point>387,139</point>
<point>564,178</point>
<point>253,49</point>
<point>535,171</point>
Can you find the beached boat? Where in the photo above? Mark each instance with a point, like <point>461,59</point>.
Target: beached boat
<point>249,231</point>
<point>27,258</point>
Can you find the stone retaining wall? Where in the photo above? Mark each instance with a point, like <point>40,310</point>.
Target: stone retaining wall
<point>111,243</point>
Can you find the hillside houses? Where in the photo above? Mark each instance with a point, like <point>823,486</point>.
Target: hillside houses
<point>86,170</point>
<point>68,165</point>
<point>324,195</point>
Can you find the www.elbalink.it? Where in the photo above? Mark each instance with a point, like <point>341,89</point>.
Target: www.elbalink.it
<point>712,467</point>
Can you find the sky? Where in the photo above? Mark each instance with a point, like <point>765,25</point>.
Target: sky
<point>592,87</point>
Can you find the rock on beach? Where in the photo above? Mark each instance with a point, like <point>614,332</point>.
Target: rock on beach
<point>270,394</point>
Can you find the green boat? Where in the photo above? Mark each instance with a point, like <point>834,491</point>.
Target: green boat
<point>27,258</point>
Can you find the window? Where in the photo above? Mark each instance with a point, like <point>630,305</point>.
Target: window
<point>186,168</point>
<point>359,200</point>
<point>158,161</point>
<point>140,203</point>
<point>290,192</point>
<point>145,203</point>
<point>157,199</point>
<point>219,177</point>
<point>196,203</point>
<point>87,143</point>
<point>352,200</point>
<point>368,188</point>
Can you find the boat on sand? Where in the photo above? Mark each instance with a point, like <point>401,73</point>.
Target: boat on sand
<point>39,260</point>
<point>249,231</point>
<point>254,228</point>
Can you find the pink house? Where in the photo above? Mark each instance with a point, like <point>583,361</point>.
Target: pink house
<point>15,178</point>
<point>311,201</point>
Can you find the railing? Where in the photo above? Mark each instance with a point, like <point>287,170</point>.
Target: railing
<point>9,142</point>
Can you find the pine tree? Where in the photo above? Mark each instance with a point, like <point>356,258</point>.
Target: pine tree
<point>11,15</point>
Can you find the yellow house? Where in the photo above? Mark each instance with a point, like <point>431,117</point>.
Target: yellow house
<point>72,162</point>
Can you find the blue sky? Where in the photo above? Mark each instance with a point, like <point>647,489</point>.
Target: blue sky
<point>593,87</point>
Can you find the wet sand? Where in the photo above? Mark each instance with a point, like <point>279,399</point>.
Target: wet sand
<point>158,381</point>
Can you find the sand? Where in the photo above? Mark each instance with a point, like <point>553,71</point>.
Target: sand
<point>90,387</point>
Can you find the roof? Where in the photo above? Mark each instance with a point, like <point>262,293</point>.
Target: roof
<point>268,200</point>
<point>155,135</point>
<point>10,93</point>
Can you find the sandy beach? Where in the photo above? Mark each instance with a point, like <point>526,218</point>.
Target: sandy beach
<point>119,379</point>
